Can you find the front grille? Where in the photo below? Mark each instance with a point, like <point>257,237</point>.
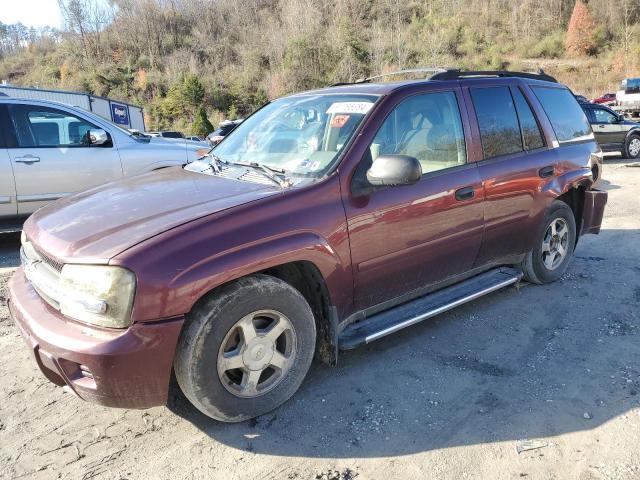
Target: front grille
<point>42,272</point>
<point>48,260</point>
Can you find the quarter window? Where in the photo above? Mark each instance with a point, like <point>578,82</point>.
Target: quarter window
<point>47,127</point>
<point>567,118</point>
<point>531,134</point>
<point>426,126</point>
<point>498,122</point>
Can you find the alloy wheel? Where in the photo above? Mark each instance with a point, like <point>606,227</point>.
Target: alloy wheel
<point>257,353</point>
<point>555,244</point>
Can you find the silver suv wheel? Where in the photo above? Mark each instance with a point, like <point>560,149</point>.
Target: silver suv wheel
<point>257,353</point>
<point>634,147</point>
<point>555,243</point>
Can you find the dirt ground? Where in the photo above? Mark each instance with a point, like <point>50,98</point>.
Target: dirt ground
<point>554,368</point>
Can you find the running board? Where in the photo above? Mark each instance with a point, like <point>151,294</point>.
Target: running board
<point>410,313</point>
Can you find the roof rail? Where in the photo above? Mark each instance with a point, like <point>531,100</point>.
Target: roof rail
<point>431,70</point>
<point>455,74</point>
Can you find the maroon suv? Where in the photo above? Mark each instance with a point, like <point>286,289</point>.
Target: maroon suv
<point>325,221</point>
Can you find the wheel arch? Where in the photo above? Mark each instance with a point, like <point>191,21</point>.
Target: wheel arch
<point>574,197</point>
<point>304,261</point>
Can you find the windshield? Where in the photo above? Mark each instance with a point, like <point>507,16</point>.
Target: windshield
<point>302,135</point>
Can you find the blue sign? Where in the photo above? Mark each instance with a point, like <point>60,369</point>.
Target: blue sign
<point>120,114</point>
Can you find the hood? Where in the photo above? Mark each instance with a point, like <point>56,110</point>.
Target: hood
<point>189,145</point>
<point>95,225</point>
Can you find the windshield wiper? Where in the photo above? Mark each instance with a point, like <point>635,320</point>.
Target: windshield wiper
<point>216,162</point>
<point>268,172</point>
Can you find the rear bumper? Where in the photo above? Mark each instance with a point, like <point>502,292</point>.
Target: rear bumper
<point>117,368</point>
<point>593,211</point>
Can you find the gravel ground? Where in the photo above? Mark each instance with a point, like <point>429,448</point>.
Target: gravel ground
<point>536,382</point>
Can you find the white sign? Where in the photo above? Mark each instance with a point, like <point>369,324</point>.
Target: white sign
<point>350,107</point>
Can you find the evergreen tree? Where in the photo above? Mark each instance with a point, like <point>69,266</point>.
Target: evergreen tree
<point>201,125</point>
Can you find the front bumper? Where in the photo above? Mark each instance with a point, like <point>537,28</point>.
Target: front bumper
<point>593,210</point>
<point>128,368</point>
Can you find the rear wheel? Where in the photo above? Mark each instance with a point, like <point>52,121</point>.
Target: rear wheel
<point>246,349</point>
<point>550,257</point>
<point>632,147</point>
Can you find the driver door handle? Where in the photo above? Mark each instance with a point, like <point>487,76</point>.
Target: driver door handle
<point>27,159</point>
<point>466,193</point>
<point>547,171</point>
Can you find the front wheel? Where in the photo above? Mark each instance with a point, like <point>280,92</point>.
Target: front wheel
<point>551,255</point>
<point>246,349</point>
<point>632,147</point>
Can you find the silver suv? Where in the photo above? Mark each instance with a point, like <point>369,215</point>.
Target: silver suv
<point>49,150</point>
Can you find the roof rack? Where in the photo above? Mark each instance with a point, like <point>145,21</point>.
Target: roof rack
<point>431,70</point>
<point>438,73</point>
<point>455,74</point>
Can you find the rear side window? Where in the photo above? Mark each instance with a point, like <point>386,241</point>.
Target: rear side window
<point>498,122</point>
<point>531,134</point>
<point>567,118</point>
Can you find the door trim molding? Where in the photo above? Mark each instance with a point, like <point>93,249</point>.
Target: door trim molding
<point>41,197</point>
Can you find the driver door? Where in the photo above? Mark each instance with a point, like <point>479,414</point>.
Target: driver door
<point>51,157</point>
<point>608,129</point>
<point>404,238</point>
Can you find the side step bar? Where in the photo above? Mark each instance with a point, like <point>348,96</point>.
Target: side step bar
<point>410,313</point>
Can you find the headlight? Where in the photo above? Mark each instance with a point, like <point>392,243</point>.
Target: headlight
<point>97,294</point>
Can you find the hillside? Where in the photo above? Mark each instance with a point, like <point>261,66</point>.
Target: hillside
<point>230,56</point>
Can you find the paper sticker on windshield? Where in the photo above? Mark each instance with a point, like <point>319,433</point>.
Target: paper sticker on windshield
<point>350,107</point>
<point>339,121</point>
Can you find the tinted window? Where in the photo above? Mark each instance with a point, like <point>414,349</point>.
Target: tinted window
<point>48,127</point>
<point>531,134</point>
<point>604,116</point>
<point>171,135</point>
<point>566,117</point>
<point>427,127</point>
<point>498,122</point>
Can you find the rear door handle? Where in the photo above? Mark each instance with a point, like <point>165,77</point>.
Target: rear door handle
<point>27,159</point>
<point>466,193</point>
<point>547,171</point>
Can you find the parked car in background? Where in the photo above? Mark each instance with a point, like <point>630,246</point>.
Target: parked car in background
<point>628,97</point>
<point>397,201</point>
<point>224,129</point>
<point>606,99</point>
<point>613,131</point>
<point>195,138</point>
<point>49,150</point>
<point>166,134</point>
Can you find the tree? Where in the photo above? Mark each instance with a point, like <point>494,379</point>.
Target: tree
<point>201,125</point>
<point>192,90</point>
<point>580,39</point>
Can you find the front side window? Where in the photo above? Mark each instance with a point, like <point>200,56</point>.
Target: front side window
<point>498,121</point>
<point>37,126</point>
<point>604,116</point>
<point>426,126</point>
<point>303,134</point>
<point>565,114</point>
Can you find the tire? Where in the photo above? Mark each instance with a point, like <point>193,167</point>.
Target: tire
<point>540,265</point>
<point>632,146</point>
<point>214,342</point>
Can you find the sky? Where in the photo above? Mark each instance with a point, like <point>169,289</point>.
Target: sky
<point>32,13</point>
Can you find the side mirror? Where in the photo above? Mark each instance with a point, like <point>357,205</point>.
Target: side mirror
<point>97,137</point>
<point>389,170</point>
<point>620,118</point>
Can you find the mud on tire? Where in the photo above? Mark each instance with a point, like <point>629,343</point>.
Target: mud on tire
<point>232,328</point>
